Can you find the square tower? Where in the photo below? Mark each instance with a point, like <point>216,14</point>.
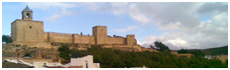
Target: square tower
<point>26,30</point>
<point>130,40</point>
<point>100,34</point>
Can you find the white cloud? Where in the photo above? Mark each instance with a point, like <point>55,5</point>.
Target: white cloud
<point>145,43</point>
<point>54,17</point>
<point>58,9</point>
<point>49,5</point>
<point>140,18</point>
<point>129,28</point>
<point>131,10</point>
<point>61,14</point>
<point>171,26</point>
<point>175,40</point>
<point>178,42</point>
<point>181,20</point>
<point>119,8</point>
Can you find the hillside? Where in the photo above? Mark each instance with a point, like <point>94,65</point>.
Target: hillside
<point>203,52</point>
<point>111,58</point>
<point>114,58</point>
<point>216,51</point>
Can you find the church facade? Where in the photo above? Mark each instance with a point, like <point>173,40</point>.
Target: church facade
<point>28,32</point>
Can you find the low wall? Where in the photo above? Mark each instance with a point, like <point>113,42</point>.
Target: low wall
<point>69,38</point>
<point>84,39</point>
<point>61,37</point>
<point>115,40</point>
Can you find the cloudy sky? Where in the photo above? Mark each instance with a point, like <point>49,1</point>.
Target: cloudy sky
<point>179,25</point>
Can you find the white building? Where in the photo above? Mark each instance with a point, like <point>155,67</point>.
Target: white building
<point>83,62</point>
<point>211,56</point>
<point>86,62</point>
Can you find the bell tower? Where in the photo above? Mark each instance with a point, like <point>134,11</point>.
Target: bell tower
<point>26,30</point>
<point>27,14</point>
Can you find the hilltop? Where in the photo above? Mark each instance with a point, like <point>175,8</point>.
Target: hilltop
<point>216,51</point>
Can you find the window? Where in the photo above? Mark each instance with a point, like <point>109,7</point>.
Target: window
<point>101,29</point>
<point>27,15</point>
<point>30,27</point>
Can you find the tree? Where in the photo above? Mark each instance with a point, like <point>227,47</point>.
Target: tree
<point>6,38</point>
<point>183,51</point>
<point>151,46</point>
<point>114,58</point>
<point>195,52</point>
<point>64,52</point>
<point>161,47</point>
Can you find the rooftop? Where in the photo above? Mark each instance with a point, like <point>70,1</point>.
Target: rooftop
<point>27,9</point>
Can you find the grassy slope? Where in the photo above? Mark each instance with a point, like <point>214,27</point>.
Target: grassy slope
<point>217,51</point>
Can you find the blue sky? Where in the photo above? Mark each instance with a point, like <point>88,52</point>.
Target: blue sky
<point>178,25</point>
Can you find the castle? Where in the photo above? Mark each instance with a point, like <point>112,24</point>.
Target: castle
<point>26,31</point>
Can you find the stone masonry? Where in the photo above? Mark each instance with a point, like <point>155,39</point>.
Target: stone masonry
<point>26,31</point>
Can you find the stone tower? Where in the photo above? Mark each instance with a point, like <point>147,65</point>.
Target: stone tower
<point>26,30</point>
<point>100,34</point>
<point>130,40</point>
<point>27,14</point>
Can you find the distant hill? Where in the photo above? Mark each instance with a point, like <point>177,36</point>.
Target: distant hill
<point>216,51</point>
<point>203,52</point>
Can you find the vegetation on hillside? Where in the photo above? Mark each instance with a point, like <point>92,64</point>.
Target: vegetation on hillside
<point>217,51</point>
<point>211,51</point>
<point>6,39</point>
<point>64,53</point>
<point>111,58</point>
<point>160,47</point>
<point>195,52</point>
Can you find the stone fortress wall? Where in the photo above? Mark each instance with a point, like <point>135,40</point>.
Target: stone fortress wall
<point>83,39</point>
<point>116,40</point>
<point>26,31</point>
<point>59,37</point>
<point>68,38</point>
